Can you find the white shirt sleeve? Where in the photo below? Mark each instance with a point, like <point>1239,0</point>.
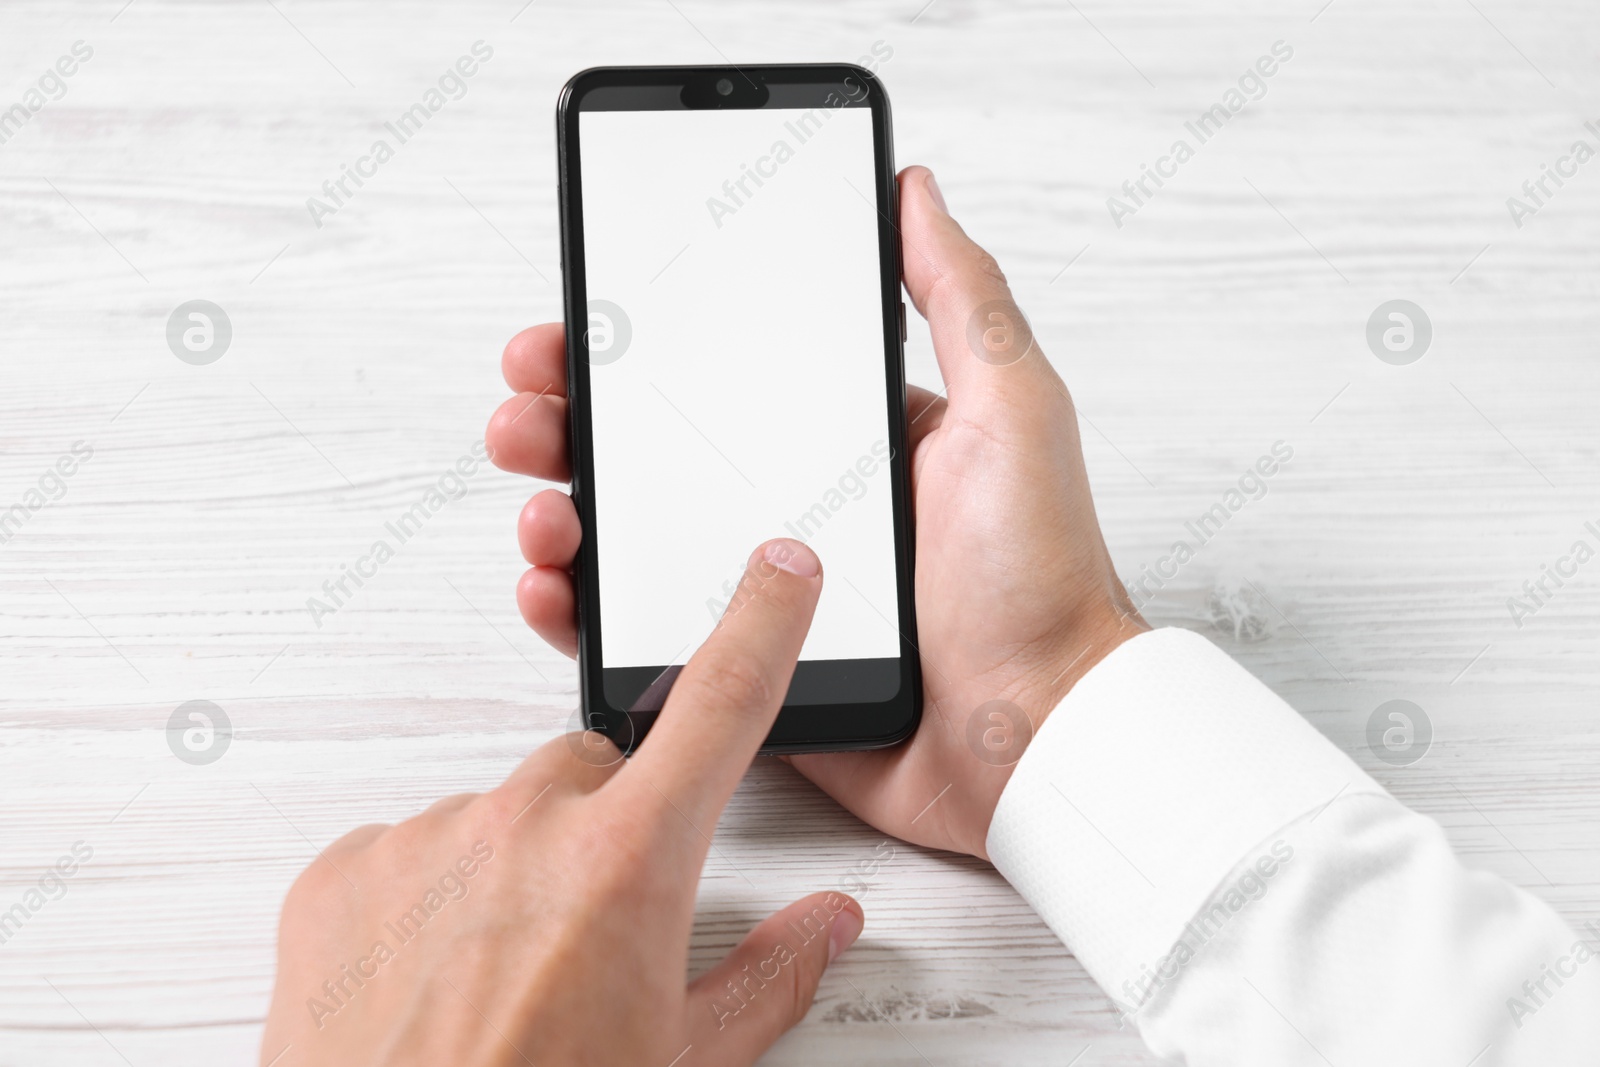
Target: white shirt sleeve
<point>1251,897</point>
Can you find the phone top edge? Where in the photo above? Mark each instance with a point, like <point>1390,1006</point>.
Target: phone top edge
<point>582,84</point>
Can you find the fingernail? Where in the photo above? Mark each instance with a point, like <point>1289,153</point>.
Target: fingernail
<point>846,928</point>
<point>933,191</point>
<point>792,556</point>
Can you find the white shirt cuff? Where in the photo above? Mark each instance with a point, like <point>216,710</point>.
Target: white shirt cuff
<point>1163,768</point>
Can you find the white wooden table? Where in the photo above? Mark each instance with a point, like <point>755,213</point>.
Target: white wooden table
<point>1228,313</point>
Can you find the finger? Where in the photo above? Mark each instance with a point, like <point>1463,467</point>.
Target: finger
<point>548,530</point>
<point>359,838</point>
<point>924,412</point>
<point>985,348</point>
<point>864,783</point>
<point>766,985</point>
<point>724,702</point>
<point>549,607</point>
<point>573,763</point>
<point>446,805</point>
<point>535,361</point>
<point>528,435</point>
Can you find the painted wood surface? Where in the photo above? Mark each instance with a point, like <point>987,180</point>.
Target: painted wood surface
<point>1227,313</point>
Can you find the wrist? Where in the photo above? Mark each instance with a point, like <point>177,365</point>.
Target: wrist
<point>1086,640</point>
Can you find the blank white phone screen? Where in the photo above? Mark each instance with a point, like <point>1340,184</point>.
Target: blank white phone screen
<point>737,374</point>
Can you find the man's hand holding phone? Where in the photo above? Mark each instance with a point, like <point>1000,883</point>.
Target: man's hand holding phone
<point>1016,596</point>
<point>548,920</point>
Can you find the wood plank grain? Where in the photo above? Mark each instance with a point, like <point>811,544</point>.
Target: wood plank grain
<point>1226,314</point>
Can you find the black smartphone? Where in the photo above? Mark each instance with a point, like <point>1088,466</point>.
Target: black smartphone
<point>731,272</point>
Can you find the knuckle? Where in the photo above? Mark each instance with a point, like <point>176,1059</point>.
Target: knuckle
<point>313,885</point>
<point>496,808</point>
<point>752,588</point>
<point>500,421</point>
<point>357,839</point>
<point>620,854</point>
<point>985,264</point>
<point>622,866</point>
<point>445,805</point>
<point>735,680</point>
<point>803,979</point>
<point>403,841</point>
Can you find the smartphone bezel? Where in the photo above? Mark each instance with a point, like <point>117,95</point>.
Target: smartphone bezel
<point>803,728</point>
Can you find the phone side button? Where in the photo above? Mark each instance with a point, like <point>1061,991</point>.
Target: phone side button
<point>903,335</point>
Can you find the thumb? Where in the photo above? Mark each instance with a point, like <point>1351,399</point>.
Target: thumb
<point>986,350</point>
<point>765,986</point>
